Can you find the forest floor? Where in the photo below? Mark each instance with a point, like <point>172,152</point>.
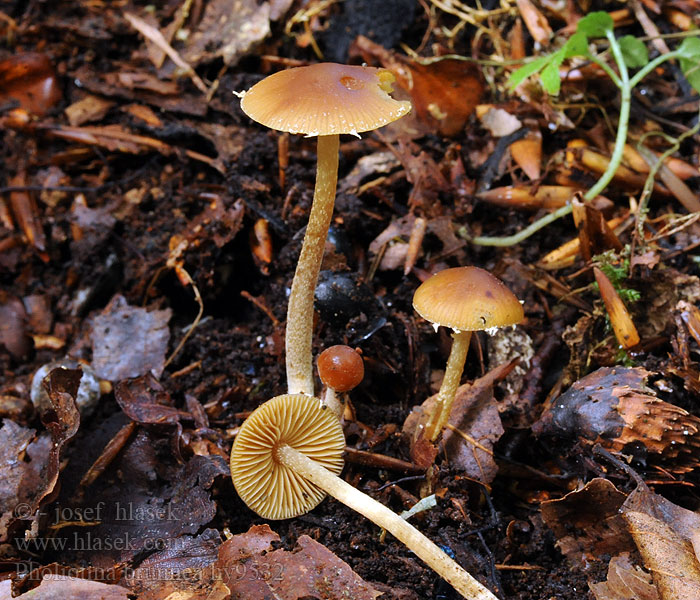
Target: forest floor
<point>135,191</point>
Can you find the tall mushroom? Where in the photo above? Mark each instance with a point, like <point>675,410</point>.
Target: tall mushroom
<point>288,452</point>
<point>465,299</point>
<point>323,100</point>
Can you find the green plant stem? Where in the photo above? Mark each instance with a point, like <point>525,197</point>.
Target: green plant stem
<point>625,84</point>
<point>649,67</point>
<point>608,69</point>
<point>653,169</point>
<point>522,235</point>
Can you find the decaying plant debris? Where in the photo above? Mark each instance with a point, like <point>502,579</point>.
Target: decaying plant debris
<point>149,234</point>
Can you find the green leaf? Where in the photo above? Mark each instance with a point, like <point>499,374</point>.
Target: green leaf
<point>551,80</point>
<point>576,45</point>
<point>634,52</point>
<point>521,74</point>
<point>690,48</point>
<point>597,24</point>
<point>689,51</point>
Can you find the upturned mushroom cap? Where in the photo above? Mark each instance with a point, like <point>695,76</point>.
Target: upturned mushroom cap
<point>268,487</point>
<point>467,299</point>
<point>324,99</point>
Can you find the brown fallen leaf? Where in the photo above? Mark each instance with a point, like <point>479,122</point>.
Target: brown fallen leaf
<point>527,153</point>
<point>26,214</point>
<point>473,428</point>
<point>587,523</point>
<point>620,319</point>
<point>56,587</point>
<point>625,580</point>
<point>253,571</point>
<point>145,401</point>
<point>15,484</point>
<point>14,334</point>
<point>129,341</point>
<point>228,30</point>
<point>668,538</point>
<point>183,570</point>
<point>116,139</point>
<point>87,109</point>
<point>444,93</point>
<point>535,21</point>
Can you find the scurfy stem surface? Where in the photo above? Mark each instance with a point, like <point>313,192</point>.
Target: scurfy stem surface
<point>450,383</point>
<point>300,311</point>
<point>376,512</point>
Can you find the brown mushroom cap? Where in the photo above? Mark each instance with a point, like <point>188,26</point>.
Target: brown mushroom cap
<point>341,368</point>
<point>467,299</point>
<point>324,99</point>
<point>268,487</point>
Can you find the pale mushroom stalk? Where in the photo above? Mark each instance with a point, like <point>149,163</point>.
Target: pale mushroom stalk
<point>376,512</point>
<point>324,100</point>
<point>300,311</point>
<point>287,456</point>
<point>330,400</point>
<point>450,383</point>
<point>465,299</point>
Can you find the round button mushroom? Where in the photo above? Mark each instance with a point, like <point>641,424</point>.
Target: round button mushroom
<point>465,299</point>
<point>323,100</point>
<point>341,369</point>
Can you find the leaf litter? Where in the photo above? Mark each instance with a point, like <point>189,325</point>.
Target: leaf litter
<point>132,177</point>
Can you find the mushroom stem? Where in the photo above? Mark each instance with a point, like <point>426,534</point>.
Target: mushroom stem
<point>450,383</point>
<point>376,512</point>
<point>300,311</point>
<point>330,399</point>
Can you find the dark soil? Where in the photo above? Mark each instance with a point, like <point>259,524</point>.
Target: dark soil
<point>234,358</point>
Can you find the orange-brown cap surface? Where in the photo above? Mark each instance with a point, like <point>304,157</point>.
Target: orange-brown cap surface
<point>268,487</point>
<point>324,99</point>
<point>467,299</point>
<point>341,368</point>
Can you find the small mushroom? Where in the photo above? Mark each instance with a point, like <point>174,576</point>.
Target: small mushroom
<point>323,100</point>
<point>466,299</point>
<point>341,369</point>
<point>288,453</point>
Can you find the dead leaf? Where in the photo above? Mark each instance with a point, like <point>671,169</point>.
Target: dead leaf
<point>253,571</point>
<point>527,153</point>
<point>129,341</point>
<point>14,337</point>
<point>145,401</point>
<point>444,93</point>
<point>668,539</point>
<point>90,108</point>
<point>587,523</point>
<point>57,587</point>
<point>535,21</point>
<point>184,568</point>
<point>499,122</point>
<point>14,484</point>
<point>228,30</point>
<point>26,213</point>
<point>625,580</point>
<point>473,428</point>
